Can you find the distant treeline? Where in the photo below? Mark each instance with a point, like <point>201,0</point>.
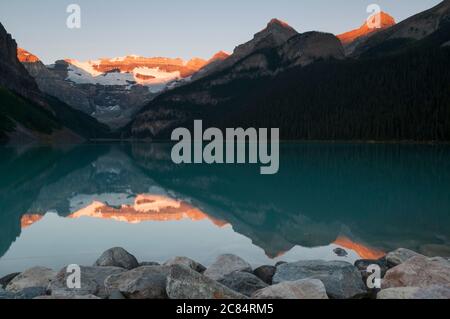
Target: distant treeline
<point>400,97</point>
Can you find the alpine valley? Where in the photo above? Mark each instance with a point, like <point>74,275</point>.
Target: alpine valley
<point>366,84</point>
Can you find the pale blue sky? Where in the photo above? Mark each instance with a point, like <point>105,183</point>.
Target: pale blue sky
<point>175,28</point>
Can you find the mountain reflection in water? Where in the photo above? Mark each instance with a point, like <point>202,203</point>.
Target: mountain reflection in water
<point>365,198</point>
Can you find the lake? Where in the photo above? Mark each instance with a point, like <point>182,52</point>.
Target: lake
<point>65,205</point>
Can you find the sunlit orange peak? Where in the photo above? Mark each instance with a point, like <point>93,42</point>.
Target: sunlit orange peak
<point>367,28</point>
<point>26,57</point>
<point>146,208</point>
<point>221,55</point>
<point>363,251</point>
<point>279,22</point>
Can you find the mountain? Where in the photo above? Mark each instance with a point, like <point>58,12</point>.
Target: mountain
<point>275,49</point>
<point>276,33</point>
<point>350,40</point>
<point>111,90</point>
<point>309,90</point>
<point>13,75</point>
<point>27,114</point>
<point>406,32</point>
<point>212,64</point>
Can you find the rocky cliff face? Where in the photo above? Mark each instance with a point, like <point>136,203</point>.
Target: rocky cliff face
<point>111,104</point>
<point>13,75</point>
<point>29,115</point>
<point>304,49</point>
<point>275,34</point>
<point>414,28</point>
<point>52,81</point>
<point>350,40</point>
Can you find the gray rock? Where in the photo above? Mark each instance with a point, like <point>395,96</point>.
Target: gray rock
<point>116,295</point>
<point>117,257</point>
<point>265,273</point>
<point>4,281</point>
<point>31,293</point>
<point>418,272</point>
<point>243,282</point>
<point>31,278</point>
<point>280,263</point>
<point>362,265</point>
<point>340,252</point>
<point>92,282</point>
<point>51,297</point>
<point>148,263</point>
<point>27,293</point>
<point>432,292</point>
<point>226,264</point>
<point>186,262</point>
<point>399,256</point>
<point>300,289</point>
<point>341,279</point>
<point>148,282</point>
<point>6,295</point>
<point>185,283</point>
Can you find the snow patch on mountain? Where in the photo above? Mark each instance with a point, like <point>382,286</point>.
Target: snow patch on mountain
<point>155,79</point>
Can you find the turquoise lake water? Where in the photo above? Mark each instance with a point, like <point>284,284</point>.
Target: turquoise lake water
<point>66,205</point>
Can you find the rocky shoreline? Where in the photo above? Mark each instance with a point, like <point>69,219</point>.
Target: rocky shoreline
<point>118,275</point>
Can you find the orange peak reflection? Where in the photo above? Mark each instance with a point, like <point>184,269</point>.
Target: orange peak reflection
<point>146,208</point>
<point>30,219</point>
<point>363,251</point>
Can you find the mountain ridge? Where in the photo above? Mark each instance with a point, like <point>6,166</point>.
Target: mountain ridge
<point>414,28</point>
<point>351,39</point>
<point>267,87</point>
<point>28,115</point>
<point>112,90</point>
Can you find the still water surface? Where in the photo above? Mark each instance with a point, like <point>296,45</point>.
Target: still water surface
<point>66,205</point>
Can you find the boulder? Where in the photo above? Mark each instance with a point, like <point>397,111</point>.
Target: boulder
<point>92,282</point>
<point>243,282</point>
<point>341,279</point>
<point>6,295</point>
<point>148,282</point>
<point>226,264</point>
<point>185,283</point>
<point>300,289</point>
<point>186,262</point>
<point>27,293</point>
<point>399,256</point>
<point>4,281</point>
<point>31,293</point>
<point>31,278</point>
<point>432,292</point>
<point>280,263</point>
<point>148,263</point>
<point>114,295</point>
<point>117,257</point>
<point>51,297</point>
<point>265,273</point>
<point>362,265</point>
<point>418,271</point>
